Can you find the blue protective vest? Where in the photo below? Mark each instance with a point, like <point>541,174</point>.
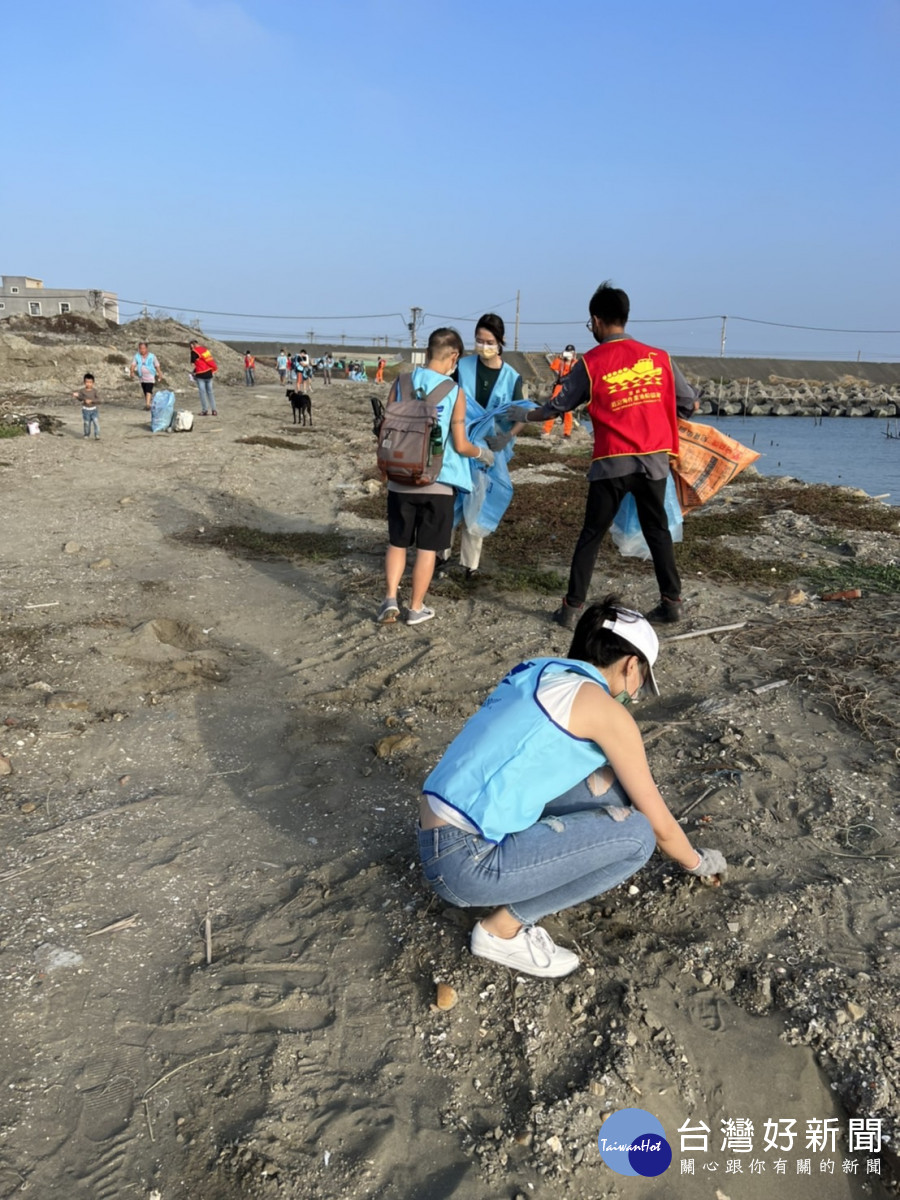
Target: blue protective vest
<point>455,470</point>
<point>149,364</point>
<point>503,388</point>
<point>511,758</point>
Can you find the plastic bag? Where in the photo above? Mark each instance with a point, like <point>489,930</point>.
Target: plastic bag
<point>491,493</point>
<point>162,410</point>
<point>626,528</point>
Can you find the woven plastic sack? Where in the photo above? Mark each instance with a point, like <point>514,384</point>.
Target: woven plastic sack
<point>707,460</point>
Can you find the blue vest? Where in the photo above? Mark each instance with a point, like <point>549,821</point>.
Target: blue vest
<point>511,758</point>
<point>455,470</point>
<point>503,388</point>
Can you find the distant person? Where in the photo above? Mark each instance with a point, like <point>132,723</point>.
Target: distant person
<point>635,396</point>
<point>281,364</point>
<point>204,367</point>
<point>90,400</point>
<point>379,371</point>
<point>489,383</point>
<point>249,369</point>
<point>562,365</point>
<point>422,516</point>
<point>327,368</point>
<point>147,367</point>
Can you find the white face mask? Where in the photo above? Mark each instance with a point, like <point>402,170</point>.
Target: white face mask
<point>487,349</point>
<point>567,355</point>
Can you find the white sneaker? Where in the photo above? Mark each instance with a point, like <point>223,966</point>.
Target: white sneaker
<point>531,951</point>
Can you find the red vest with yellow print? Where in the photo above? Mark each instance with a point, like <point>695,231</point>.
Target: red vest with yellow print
<point>632,406</point>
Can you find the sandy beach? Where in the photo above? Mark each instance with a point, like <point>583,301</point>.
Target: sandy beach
<point>219,961</point>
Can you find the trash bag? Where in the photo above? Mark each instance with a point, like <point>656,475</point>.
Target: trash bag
<point>483,507</point>
<point>626,528</point>
<point>162,410</point>
<point>707,460</point>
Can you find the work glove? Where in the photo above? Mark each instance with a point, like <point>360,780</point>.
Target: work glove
<point>486,456</point>
<point>498,441</point>
<point>712,862</point>
<point>517,412</point>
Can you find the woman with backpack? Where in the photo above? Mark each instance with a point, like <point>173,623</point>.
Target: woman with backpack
<point>490,385</point>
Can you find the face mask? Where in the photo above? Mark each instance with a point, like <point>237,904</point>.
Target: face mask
<point>567,355</point>
<point>487,351</point>
<point>624,698</point>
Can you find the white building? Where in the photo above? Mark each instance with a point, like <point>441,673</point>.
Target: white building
<point>20,295</point>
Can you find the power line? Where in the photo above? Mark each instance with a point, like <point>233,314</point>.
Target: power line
<point>209,312</point>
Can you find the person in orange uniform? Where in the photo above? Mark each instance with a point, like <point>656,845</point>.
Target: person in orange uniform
<point>562,365</point>
<point>379,374</point>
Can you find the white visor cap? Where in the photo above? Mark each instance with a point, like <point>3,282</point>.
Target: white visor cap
<point>637,631</point>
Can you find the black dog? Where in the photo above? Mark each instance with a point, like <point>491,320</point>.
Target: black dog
<point>301,406</point>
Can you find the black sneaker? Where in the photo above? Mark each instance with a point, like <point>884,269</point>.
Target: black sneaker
<point>567,615</point>
<point>471,574</point>
<point>667,612</point>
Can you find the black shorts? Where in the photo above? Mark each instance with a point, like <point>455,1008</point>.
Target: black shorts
<point>148,387</point>
<point>423,521</point>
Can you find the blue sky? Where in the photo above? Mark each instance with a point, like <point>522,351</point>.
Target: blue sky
<point>362,156</point>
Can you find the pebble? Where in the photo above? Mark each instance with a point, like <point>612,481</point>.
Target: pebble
<point>447,996</point>
<point>5,765</point>
<point>102,564</point>
<point>71,548</point>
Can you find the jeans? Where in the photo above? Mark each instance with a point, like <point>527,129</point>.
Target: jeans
<point>248,377</point>
<point>89,416</point>
<point>205,388</point>
<point>574,852</point>
<point>603,500</point>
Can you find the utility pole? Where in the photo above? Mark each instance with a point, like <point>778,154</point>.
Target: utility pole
<point>310,335</point>
<point>722,347</point>
<point>516,339</point>
<point>416,314</point>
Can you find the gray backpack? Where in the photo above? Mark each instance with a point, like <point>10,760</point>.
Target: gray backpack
<point>410,444</point>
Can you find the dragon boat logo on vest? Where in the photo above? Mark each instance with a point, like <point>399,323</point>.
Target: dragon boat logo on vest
<point>633,1142</point>
<point>643,371</point>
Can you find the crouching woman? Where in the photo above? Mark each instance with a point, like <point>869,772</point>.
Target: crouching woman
<point>545,798</point>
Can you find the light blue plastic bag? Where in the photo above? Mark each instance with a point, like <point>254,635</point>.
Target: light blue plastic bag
<point>162,410</point>
<point>626,529</point>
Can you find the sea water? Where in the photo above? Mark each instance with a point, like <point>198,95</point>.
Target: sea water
<point>850,451</point>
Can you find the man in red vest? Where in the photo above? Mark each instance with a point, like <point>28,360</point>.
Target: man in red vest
<point>635,395</point>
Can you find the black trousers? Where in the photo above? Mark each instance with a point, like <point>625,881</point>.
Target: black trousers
<point>603,500</point>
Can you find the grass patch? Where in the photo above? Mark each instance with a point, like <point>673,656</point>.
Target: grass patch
<point>531,579</point>
<point>736,522</point>
<point>275,442</point>
<point>531,454</point>
<point>11,431</point>
<point>833,506</point>
<point>246,541</point>
<point>883,580</point>
<point>373,508</point>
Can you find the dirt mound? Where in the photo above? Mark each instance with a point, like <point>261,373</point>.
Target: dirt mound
<point>42,356</point>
